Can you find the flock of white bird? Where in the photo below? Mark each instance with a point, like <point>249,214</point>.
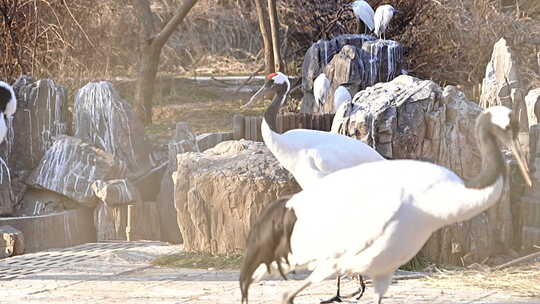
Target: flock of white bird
<point>375,21</point>
<point>358,213</point>
<point>8,106</point>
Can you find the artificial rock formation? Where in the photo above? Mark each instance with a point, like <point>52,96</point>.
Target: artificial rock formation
<point>533,106</point>
<point>183,141</point>
<point>357,59</point>
<point>409,118</point>
<point>104,119</point>
<point>71,166</point>
<point>221,192</point>
<point>501,84</point>
<point>41,116</point>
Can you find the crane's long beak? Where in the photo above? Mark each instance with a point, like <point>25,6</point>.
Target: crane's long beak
<point>522,163</point>
<point>259,95</point>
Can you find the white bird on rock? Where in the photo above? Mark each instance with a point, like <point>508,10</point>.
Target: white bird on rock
<point>341,96</point>
<point>382,18</point>
<point>364,12</point>
<point>332,228</point>
<point>321,86</point>
<point>309,154</point>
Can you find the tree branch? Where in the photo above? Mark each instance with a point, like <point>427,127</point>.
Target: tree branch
<point>171,26</point>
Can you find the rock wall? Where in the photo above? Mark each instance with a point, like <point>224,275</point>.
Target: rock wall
<point>409,118</point>
<point>219,193</point>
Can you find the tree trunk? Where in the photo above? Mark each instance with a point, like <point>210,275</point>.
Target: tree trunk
<point>274,25</point>
<point>263,25</point>
<point>151,52</point>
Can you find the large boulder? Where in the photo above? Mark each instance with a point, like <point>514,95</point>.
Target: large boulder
<point>221,192</point>
<point>41,115</point>
<point>71,166</point>
<point>501,84</point>
<point>6,192</point>
<point>183,141</point>
<point>104,119</point>
<point>409,118</point>
<point>533,106</point>
<point>355,59</point>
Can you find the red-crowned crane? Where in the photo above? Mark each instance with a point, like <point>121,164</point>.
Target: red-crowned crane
<point>382,18</point>
<point>327,227</point>
<point>307,154</point>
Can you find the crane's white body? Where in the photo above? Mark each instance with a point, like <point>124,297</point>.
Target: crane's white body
<point>11,106</point>
<point>310,154</point>
<point>321,86</point>
<point>363,11</point>
<point>382,18</point>
<point>381,217</point>
<point>341,96</point>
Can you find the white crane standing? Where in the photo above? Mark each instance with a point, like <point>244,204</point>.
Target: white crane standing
<point>309,154</point>
<point>382,18</point>
<point>341,96</point>
<point>326,227</point>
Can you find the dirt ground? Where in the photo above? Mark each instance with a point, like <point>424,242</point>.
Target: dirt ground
<point>120,272</point>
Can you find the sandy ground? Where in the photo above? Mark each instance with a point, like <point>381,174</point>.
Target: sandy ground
<point>119,272</point>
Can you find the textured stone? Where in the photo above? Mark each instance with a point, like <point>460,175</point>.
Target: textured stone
<point>116,192</point>
<point>104,119</point>
<point>220,193</point>
<point>11,241</point>
<point>409,118</point>
<point>533,106</point>
<point>71,166</point>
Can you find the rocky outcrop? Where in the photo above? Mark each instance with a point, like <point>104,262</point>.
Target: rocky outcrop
<point>41,116</point>
<point>183,141</point>
<point>71,166</point>
<point>355,59</point>
<point>501,84</point>
<point>104,119</point>
<point>533,106</point>
<point>11,241</point>
<point>220,193</point>
<point>409,118</point>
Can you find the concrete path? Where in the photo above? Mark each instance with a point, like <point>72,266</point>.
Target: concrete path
<point>119,272</point>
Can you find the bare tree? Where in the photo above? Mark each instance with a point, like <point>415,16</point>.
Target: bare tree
<point>267,41</point>
<point>274,25</point>
<point>152,45</point>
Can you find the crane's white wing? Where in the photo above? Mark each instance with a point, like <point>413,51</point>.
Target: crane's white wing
<point>363,11</point>
<point>321,85</point>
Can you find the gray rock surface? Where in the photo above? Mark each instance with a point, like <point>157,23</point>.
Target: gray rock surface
<point>116,192</point>
<point>11,241</point>
<point>409,118</point>
<point>533,106</point>
<point>71,166</point>
<point>104,119</point>
<point>501,84</point>
<point>219,193</point>
<point>364,62</point>
<point>183,141</point>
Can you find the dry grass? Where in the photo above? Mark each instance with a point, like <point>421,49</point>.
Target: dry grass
<point>199,260</point>
<point>522,280</point>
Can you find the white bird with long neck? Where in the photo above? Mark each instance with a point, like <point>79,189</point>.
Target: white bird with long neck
<point>382,18</point>
<point>308,154</point>
<point>364,12</point>
<point>327,228</point>
<point>341,96</point>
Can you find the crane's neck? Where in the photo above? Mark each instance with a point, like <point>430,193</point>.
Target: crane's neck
<point>484,190</point>
<point>272,111</point>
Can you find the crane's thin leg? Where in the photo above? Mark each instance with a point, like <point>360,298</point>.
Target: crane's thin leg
<point>360,290</point>
<point>336,298</point>
<point>320,273</point>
